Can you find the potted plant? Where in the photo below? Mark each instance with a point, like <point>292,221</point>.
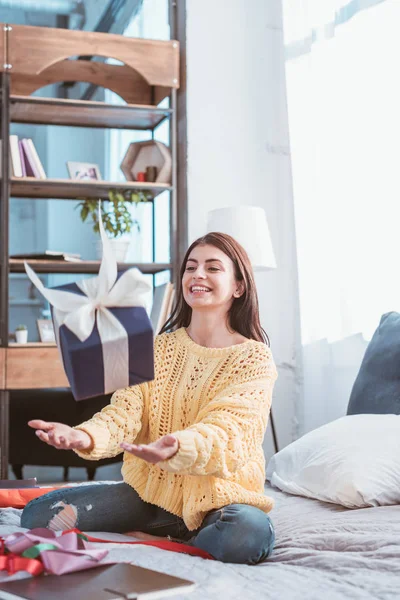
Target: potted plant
<point>21,334</point>
<point>116,216</point>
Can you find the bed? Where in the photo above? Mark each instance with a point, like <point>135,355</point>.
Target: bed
<point>323,551</point>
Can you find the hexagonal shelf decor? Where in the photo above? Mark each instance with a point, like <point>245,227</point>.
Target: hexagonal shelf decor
<point>141,155</point>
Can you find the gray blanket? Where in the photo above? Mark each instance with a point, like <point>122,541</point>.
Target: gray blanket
<point>323,552</point>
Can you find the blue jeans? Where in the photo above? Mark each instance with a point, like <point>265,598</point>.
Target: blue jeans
<point>237,533</point>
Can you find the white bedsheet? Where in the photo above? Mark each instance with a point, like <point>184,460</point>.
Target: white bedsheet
<point>323,552</point>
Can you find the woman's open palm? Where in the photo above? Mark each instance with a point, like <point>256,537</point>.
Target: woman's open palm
<point>61,436</point>
<point>162,449</point>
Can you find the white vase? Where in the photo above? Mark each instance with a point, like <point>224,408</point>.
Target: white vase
<point>21,336</point>
<point>120,247</point>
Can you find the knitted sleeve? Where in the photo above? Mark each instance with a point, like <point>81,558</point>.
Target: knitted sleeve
<point>118,422</point>
<point>231,427</point>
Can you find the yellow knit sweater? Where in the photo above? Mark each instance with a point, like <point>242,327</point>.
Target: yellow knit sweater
<point>216,401</point>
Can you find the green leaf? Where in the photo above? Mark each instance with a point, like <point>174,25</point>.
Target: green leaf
<point>84,212</point>
<point>115,211</point>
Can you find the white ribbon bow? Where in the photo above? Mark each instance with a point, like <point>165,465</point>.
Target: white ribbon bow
<point>80,313</point>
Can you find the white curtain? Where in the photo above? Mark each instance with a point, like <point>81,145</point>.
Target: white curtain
<point>343,106</point>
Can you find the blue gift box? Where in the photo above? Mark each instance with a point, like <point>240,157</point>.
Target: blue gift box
<point>83,361</point>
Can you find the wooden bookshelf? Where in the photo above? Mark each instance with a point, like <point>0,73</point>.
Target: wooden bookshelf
<point>33,345</point>
<point>34,366</point>
<point>70,189</point>
<point>36,57</point>
<point>80,113</point>
<point>16,265</point>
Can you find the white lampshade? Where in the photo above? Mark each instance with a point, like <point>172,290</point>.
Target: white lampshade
<point>248,225</point>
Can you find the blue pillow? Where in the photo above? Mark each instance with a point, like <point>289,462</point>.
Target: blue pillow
<point>377,386</point>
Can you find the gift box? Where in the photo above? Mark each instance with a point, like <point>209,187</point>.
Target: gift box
<point>102,329</point>
<point>85,361</point>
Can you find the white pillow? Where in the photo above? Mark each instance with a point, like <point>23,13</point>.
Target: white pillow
<point>353,461</point>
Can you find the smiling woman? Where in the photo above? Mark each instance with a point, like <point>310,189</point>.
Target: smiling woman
<point>219,265</point>
<point>193,463</point>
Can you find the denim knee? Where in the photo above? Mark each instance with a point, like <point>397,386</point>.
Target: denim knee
<point>36,513</point>
<point>237,533</point>
<point>254,529</point>
<point>33,515</point>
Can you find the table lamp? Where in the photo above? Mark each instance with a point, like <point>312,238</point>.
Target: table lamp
<point>248,225</point>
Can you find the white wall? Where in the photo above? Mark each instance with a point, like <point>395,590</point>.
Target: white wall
<point>238,154</point>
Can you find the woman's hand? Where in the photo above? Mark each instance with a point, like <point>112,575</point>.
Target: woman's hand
<point>61,436</point>
<point>162,449</point>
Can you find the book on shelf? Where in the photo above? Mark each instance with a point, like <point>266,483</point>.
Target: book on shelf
<point>16,165</point>
<point>33,165</point>
<point>24,159</point>
<point>48,255</point>
<point>36,159</point>
<point>162,304</point>
<point>114,582</point>
<point>30,169</point>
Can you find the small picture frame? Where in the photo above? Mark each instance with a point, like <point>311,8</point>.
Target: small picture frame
<point>83,171</point>
<point>46,330</point>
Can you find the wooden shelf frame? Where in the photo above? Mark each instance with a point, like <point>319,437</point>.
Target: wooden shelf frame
<point>31,58</point>
<point>41,55</point>
<point>69,189</point>
<point>82,113</point>
<point>16,265</point>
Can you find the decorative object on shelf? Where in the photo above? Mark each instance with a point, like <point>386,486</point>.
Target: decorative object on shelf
<point>102,327</point>
<point>21,334</point>
<point>46,330</point>
<point>151,173</point>
<point>116,217</point>
<point>151,153</point>
<point>141,176</point>
<point>84,171</point>
<point>120,246</point>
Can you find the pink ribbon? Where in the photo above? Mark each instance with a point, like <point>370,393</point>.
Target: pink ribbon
<point>67,553</point>
<point>42,549</point>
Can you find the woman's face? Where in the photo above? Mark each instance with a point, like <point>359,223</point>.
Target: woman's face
<point>209,281</point>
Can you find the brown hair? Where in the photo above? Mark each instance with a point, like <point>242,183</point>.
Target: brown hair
<point>243,315</point>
